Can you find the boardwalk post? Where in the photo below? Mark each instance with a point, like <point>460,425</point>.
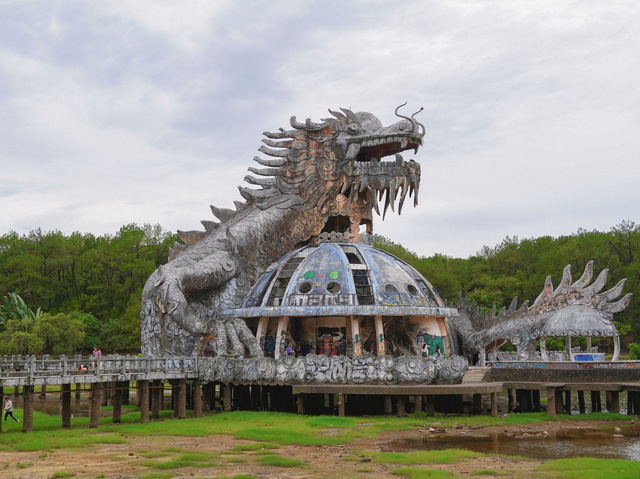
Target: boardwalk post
<point>494,404</point>
<point>418,403</point>
<point>401,406</point>
<point>596,404</point>
<point>156,398</point>
<point>511,393</point>
<point>300,403</point>
<point>567,402</point>
<point>78,389</point>
<point>581,402</point>
<point>65,404</point>
<point>226,393</point>
<point>181,403</point>
<point>143,399</point>
<point>615,402</point>
<point>197,398</point>
<point>116,401</point>
<point>551,401</point>
<point>27,420</point>
<point>340,404</point>
<point>559,404</point>
<point>95,400</point>
<point>388,407</point>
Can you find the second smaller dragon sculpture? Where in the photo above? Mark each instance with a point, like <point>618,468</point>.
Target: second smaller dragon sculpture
<point>571,309</point>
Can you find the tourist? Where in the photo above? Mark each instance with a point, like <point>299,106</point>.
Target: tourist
<point>437,353</point>
<point>425,350</point>
<point>96,352</point>
<point>289,351</point>
<point>81,368</point>
<point>8,410</point>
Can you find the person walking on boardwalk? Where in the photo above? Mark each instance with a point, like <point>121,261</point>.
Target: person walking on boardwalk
<point>8,410</point>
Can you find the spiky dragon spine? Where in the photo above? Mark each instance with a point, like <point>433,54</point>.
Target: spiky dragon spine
<point>525,326</point>
<point>316,170</point>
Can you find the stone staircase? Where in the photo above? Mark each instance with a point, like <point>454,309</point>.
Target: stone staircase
<point>475,374</point>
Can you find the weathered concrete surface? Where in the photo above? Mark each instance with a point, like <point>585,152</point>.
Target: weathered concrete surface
<point>320,369</point>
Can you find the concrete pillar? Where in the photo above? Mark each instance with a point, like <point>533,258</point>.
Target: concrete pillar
<point>615,402</point>
<point>379,335</point>
<point>588,344</point>
<point>559,404</point>
<point>116,401</point>
<point>551,401</point>
<point>226,393</point>
<point>143,399</point>
<point>511,394</point>
<point>494,404</point>
<point>27,419</point>
<point>430,405</point>
<point>355,337</point>
<point>95,400</point>
<point>262,330</point>
<point>568,347</point>
<point>418,403</point>
<point>630,405</point>
<point>197,398</point>
<point>401,406</point>
<point>340,404</point>
<point>581,401</point>
<point>388,407</point>
<point>607,397</point>
<point>106,394</point>
<point>283,324</point>
<point>300,403</point>
<point>535,394</point>
<point>156,398</point>
<point>43,391</point>
<point>65,404</point>
<point>78,389</point>
<point>181,408</point>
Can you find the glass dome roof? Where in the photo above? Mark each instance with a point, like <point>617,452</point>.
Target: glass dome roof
<point>335,279</point>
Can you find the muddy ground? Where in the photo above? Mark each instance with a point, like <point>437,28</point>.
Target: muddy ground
<point>342,461</point>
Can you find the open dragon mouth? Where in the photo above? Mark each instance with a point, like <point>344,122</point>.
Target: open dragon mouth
<point>377,148</point>
<point>372,178</point>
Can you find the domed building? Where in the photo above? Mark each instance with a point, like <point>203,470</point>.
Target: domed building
<point>338,298</point>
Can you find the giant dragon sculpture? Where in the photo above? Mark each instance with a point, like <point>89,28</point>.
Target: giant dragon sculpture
<point>316,171</point>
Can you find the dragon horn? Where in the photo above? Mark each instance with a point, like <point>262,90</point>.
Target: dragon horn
<point>342,118</point>
<point>222,214</point>
<point>621,304</point>
<point>612,293</point>
<point>565,281</point>
<point>597,285</point>
<point>513,305</point>
<point>585,279</point>
<point>351,117</point>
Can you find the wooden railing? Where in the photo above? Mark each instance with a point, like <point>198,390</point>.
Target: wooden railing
<point>22,370</point>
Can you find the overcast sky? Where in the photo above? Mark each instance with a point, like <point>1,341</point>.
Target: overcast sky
<point>136,111</point>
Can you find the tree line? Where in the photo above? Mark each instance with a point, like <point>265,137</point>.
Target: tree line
<point>64,293</point>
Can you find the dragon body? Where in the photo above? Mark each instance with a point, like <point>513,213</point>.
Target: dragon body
<point>316,174</point>
<point>571,309</point>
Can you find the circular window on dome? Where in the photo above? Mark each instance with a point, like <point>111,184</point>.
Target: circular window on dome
<point>304,287</point>
<point>333,287</point>
<point>413,291</point>
<point>389,288</point>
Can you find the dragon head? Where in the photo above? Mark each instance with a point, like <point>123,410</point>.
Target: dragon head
<point>316,162</point>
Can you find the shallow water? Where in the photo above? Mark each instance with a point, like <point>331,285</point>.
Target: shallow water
<point>553,445</point>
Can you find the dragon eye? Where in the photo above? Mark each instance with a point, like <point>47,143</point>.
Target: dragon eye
<point>353,128</point>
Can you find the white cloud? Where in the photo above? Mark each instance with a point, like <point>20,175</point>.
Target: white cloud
<point>147,111</point>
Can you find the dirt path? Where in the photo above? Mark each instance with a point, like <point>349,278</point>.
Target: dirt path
<point>335,462</point>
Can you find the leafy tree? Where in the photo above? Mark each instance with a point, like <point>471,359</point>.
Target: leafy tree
<point>60,333</point>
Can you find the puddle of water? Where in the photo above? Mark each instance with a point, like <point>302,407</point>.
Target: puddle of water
<point>553,445</point>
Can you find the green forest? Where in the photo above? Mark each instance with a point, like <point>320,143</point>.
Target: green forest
<point>62,294</point>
